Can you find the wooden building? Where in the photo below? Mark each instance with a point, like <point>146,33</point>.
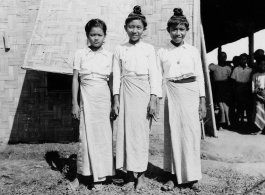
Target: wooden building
<point>42,36</point>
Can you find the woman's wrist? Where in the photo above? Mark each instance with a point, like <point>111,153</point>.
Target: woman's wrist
<point>74,104</point>
<point>116,98</point>
<point>202,99</point>
<point>153,96</point>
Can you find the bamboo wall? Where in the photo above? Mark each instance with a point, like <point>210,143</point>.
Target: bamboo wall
<point>28,112</point>
<point>59,29</point>
<point>42,36</point>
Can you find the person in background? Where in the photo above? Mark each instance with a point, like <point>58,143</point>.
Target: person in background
<point>221,75</point>
<point>255,67</point>
<point>135,97</point>
<point>258,89</point>
<point>232,107</point>
<point>180,64</point>
<point>242,85</point>
<point>236,62</point>
<point>93,66</point>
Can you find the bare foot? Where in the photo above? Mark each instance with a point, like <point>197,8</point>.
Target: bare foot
<point>128,187</point>
<point>168,186</point>
<point>97,186</point>
<point>74,184</point>
<point>195,187</point>
<point>141,185</point>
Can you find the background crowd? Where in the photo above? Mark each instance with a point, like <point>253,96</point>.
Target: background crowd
<point>238,91</point>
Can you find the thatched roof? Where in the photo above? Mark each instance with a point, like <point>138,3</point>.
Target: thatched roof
<point>226,21</point>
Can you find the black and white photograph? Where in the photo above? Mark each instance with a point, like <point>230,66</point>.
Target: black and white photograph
<point>132,97</point>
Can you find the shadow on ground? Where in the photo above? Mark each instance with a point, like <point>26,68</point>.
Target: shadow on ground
<point>67,166</point>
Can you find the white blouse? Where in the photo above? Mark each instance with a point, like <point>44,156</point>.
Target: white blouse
<point>94,63</point>
<point>242,75</point>
<point>258,81</point>
<point>138,59</point>
<point>179,63</point>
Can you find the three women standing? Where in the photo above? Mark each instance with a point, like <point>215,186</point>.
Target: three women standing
<point>137,81</point>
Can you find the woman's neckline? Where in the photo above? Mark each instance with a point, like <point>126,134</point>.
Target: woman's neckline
<point>99,49</point>
<point>177,45</point>
<point>135,42</point>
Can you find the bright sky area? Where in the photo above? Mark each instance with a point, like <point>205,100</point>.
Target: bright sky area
<point>238,47</point>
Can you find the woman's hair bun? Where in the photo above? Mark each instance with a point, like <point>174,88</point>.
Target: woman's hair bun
<point>178,12</point>
<point>137,10</point>
<point>136,15</point>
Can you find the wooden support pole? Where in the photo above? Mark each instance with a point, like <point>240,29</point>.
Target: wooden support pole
<point>219,52</point>
<point>219,49</point>
<point>209,96</point>
<point>251,48</point>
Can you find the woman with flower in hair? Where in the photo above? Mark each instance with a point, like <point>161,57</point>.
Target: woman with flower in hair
<point>180,65</point>
<point>135,91</point>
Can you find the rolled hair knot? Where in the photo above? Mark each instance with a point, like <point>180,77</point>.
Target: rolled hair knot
<point>136,14</point>
<point>178,12</point>
<point>177,18</point>
<point>137,10</point>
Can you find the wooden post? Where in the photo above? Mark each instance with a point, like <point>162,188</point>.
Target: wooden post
<point>219,52</point>
<point>219,49</point>
<point>251,48</point>
<point>208,88</point>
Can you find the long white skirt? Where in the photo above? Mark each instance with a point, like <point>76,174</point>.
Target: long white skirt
<point>95,155</point>
<point>133,124</point>
<point>182,131</point>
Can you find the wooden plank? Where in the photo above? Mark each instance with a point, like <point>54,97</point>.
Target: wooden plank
<point>210,106</point>
<point>251,48</point>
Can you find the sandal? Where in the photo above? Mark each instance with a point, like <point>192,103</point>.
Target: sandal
<point>169,186</point>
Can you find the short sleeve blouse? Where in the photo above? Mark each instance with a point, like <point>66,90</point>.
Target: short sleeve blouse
<point>181,62</point>
<point>88,62</point>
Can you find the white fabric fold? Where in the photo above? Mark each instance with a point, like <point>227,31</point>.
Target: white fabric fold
<point>95,155</point>
<point>133,124</point>
<point>182,131</point>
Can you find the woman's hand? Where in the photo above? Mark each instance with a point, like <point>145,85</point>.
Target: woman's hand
<point>116,107</point>
<point>151,109</point>
<point>75,87</point>
<point>76,111</point>
<point>202,108</point>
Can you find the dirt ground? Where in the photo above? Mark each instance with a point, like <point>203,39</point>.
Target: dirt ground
<point>233,163</point>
